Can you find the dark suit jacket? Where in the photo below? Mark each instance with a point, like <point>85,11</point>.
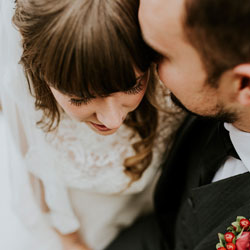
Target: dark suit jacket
<point>191,210</point>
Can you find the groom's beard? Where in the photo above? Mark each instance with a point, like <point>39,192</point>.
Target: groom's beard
<point>222,114</point>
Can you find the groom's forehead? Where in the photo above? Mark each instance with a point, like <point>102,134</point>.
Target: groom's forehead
<point>164,15</point>
<point>161,20</point>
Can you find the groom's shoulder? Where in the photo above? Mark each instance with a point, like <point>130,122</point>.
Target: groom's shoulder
<point>194,121</point>
<point>195,127</point>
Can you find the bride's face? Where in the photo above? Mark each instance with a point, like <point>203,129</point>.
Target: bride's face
<point>104,115</point>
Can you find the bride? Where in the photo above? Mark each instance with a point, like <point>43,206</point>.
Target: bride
<point>85,138</point>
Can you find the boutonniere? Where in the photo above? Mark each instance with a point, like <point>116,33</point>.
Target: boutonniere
<point>237,236</point>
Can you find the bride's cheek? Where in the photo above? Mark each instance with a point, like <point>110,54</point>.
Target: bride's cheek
<point>73,112</point>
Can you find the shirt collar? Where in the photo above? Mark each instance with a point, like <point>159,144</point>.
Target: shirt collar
<point>241,143</point>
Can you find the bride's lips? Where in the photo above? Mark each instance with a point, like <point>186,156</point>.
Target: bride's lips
<point>100,127</point>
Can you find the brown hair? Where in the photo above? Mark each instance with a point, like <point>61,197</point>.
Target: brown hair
<point>219,30</point>
<point>94,45</point>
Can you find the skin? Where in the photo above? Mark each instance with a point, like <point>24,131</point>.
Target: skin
<point>72,242</point>
<point>104,115</point>
<point>182,71</point>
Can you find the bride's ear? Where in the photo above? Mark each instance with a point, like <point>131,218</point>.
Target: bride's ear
<point>242,72</point>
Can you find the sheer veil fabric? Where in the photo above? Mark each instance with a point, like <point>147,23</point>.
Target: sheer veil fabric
<point>15,97</point>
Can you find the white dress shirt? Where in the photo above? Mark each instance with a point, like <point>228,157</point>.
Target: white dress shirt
<point>233,166</point>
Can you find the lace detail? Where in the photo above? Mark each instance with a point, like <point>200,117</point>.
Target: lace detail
<point>89,161</point>
<point>97,160</point>
<point>76,157</point>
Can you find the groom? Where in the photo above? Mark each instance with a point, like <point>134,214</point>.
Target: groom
<point>204,48</point>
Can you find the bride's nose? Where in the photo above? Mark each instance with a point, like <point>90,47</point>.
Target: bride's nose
<point>111,114</point>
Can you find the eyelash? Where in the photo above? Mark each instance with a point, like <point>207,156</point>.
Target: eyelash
<point>136,89</point>
<point>133,91</point>
<point>79,102</point>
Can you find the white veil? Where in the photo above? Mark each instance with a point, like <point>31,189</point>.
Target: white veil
<point>10,54</point>
<point>18,103</point>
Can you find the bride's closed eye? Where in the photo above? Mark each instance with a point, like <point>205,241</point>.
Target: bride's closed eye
<point>136,89</point>
<point>141,81</point>
<point>133,91</point>
<point>80,101</point>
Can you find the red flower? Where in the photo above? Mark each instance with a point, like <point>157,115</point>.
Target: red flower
<point>245,223</point>
<point>229,236</point>
<point>230,246</point>
<point>243,243</point>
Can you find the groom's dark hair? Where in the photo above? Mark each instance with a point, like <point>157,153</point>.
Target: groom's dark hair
<point>220,31</point>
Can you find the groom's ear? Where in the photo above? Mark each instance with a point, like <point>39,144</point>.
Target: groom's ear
<point>242,84</point>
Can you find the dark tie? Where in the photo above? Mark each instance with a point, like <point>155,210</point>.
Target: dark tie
<point>215,152</point>
<point>227,142</point>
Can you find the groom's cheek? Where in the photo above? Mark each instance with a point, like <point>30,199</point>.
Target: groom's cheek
<point>145,18</point>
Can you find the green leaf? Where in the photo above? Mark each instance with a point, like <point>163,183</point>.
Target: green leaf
<point>238,236</point>
<point>239,218</point>
<point>221,236</point>
<point>221,239</point>
<point>218,245</point>
<point>234,240</point>
<point>237,225</point>
<point>230,229</point>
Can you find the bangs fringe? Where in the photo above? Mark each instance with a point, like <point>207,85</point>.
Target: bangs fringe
<point>86,48</point>
<point>89,61</point>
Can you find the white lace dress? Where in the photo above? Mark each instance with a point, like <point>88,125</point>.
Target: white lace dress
<point>82,172</point>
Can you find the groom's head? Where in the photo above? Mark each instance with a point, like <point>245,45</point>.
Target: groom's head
<point>205,52</point>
